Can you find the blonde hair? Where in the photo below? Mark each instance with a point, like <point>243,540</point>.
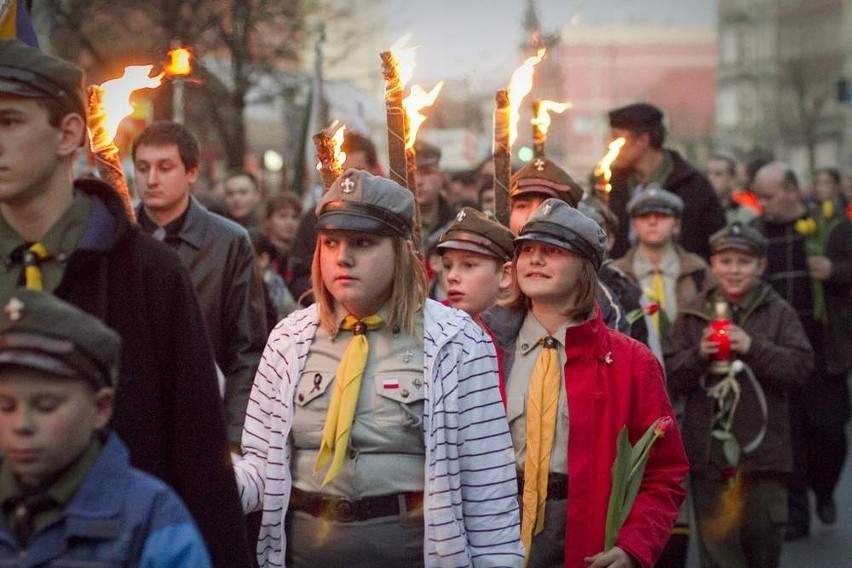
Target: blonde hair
<point>584,294</point>
<point>408,291</point>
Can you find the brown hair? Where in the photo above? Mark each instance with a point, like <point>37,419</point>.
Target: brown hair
<point>283,201</point>
<point>165,133</point>
<point>407,293</point>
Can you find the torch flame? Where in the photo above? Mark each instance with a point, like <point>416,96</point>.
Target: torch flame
<point>116,94</point>
<point>404,58</point>
<point>337,142</point>
<point>542,121</point>
<point>418,99</point>
<point>336,131</point>
<point>519,87</point>
<point>603,168</point>
<point>179,62</point>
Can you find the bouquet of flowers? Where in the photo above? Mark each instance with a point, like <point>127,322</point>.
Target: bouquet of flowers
<point>816,230</point>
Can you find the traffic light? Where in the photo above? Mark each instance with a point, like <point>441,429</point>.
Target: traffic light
<point>843,94</point>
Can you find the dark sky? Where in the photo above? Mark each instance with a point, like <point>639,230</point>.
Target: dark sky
<point>480,37</point>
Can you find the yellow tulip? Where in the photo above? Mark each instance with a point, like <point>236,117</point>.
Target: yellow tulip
<point>828,209</point>
<point>806,226</point>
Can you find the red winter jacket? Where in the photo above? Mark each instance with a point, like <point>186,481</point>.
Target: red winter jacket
<point>611,381</point>
<point>614,381</point>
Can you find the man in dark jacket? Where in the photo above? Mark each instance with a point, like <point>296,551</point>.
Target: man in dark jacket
<point>74,239</point>
<point>216,251</point>
<point>810,266</point>
<point>643,160</point>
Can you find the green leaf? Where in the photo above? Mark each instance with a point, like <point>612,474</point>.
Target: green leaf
<point>721,435</point>
<point>620,471</point>
<point>731,449</point>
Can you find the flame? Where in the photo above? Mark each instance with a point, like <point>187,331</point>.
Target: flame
<point>519,87</point>
<point>338,156</point>
<point>418,99</point>
<point>116,94</point>
<point>603,168</point>
<point>404,59</point>
<point>542,121</point>
<point>337,143</point>
<point>179,63</point>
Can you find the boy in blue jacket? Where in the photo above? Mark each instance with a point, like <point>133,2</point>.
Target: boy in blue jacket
<point>67,491</point>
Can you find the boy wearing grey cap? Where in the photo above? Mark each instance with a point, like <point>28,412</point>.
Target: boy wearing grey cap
<point>67,491</point>
<point>73,238</point>
<point>771,356</point>
<point>375,419</point>
<point>572,385</point>
<point>668,275</point>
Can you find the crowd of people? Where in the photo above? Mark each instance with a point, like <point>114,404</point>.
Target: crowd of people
<point>235,378</point>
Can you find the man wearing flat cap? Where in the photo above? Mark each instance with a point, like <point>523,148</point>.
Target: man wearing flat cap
<point>643,160</point>
<point>73,238</point>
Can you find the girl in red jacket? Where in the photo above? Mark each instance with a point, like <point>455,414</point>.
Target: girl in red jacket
<point>572,385</point>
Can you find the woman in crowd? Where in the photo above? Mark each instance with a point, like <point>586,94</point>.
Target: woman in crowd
<point>572,385</point>
<point>376,434</point>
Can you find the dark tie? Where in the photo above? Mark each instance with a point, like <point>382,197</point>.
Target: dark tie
<point>23,512</point>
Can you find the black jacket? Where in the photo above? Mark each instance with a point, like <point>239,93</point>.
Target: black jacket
<point>218,254</point>
<point>168,410</point>
<point>702,213</point>
<point>781,359</point>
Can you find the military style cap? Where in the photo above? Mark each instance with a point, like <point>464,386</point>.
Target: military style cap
<point>545,177</point>
<point>595,209</point>
<point>27,72</point>
<point>655,199</point>
<point>427,155</point>
<point>359,201</point>
<point>557,223</point>
<point>637,116</point>
<point>472,230</point>
<point>40,331</point>
<point>737,236</point>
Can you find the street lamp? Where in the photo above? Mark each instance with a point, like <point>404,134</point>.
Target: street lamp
<point>178,67</point>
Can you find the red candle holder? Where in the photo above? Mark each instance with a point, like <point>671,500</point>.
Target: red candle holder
<point>720,362</point>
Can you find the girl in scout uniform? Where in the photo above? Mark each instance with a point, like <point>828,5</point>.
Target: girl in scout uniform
<point>572,385</point>
<point>375,434</point>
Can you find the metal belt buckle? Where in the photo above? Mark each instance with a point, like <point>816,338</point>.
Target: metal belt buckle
<point>345,510</point>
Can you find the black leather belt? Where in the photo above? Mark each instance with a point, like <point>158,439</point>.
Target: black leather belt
<point>557,486</point>
<point>346,511</point>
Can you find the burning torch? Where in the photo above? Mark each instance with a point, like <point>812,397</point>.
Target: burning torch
<point>330,157</point>
<point>541,122</point>
<point>506,115</point>
<point>109,103</point>
<point>603,171</point>
<point>404,119</point>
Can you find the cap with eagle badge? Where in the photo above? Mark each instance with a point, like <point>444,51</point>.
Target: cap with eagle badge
<point>737,236</point>
<point>557,223</point>
<point>544,177</point>
<point>360,201</point>
<point>40,331</point>
<point>473,231</point>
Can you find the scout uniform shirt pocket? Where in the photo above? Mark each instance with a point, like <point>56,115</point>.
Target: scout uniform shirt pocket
<point>311,404</point>
<point>399,400</point>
